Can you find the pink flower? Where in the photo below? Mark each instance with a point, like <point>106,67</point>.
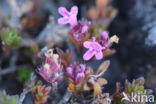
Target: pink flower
<point>51,71</point>
<point>77,73</point>
<point>79,31</point>
<point>94,49</point>
<point>68,17</point>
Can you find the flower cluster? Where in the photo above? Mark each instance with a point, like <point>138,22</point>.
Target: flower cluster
<point>79,31</point>
<point>51,71</point>
<point>79,76</point>
<point>76,75</point>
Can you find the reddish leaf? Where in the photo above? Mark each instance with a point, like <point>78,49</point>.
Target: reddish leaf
<point>102,81</point>
<point>103,67</point>
<point>66,58</point>
<point>109,52</point>
<point>71,87</point>
<point>97,90</point>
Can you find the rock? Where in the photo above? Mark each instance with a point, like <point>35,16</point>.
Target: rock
<point>135,26</point>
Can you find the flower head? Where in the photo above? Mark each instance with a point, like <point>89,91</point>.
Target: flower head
<point>68,17</point>
<point>77,73</point>
<point>79,31</point>
<point>94,49</point>
<point>51,71</point>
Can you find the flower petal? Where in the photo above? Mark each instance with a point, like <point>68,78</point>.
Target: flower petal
<point>83,67</point>
<point>104,35</point>
<point>63,11</point>
<point>87,44</point>
<point>84,29</point>
<point>69,71</point>
<point>63,20</point>
<point>58,79</point>
<point>45,77</point>
<point>99,55</point>
<point>74,10</point>
<point>79,78</point>
<point>73,20</point>
<point>88,55</point>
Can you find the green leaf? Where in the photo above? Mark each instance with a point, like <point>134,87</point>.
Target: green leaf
<point>35,47</point>
<point>13,101</point>
<point>23,74</point>
<point>7,99</point>
<point>11,38</point>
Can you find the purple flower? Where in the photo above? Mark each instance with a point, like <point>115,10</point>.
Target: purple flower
<point>94,49</point>
<point>79,31</point>
<point>104,37</point>
<point>77,73</point>
<point>51,71</point>
<point>68,17</point>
